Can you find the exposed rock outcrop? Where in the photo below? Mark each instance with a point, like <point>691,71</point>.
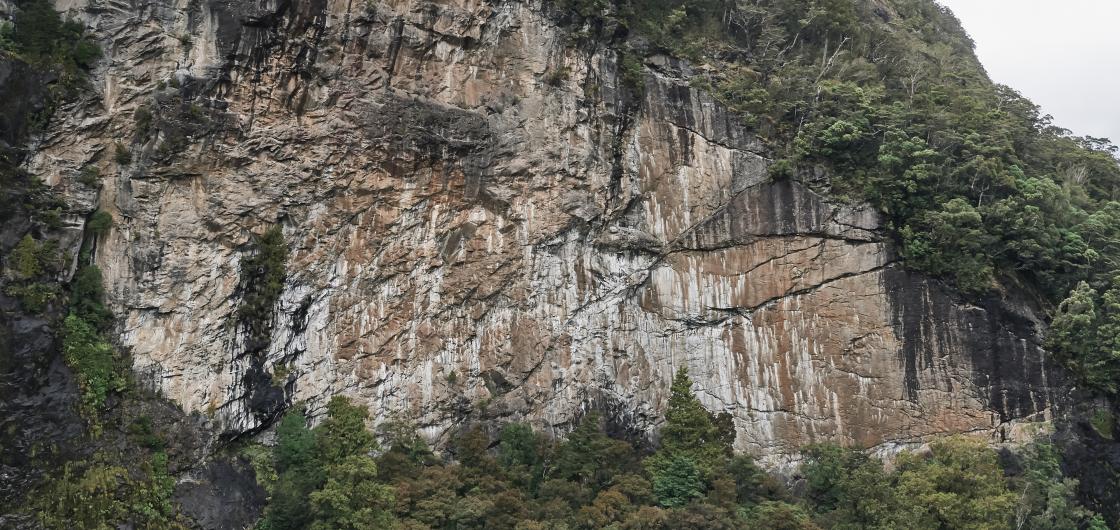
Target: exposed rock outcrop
<point>484,219</point>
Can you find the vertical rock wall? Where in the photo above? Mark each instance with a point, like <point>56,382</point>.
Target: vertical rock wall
<point>483,219</point>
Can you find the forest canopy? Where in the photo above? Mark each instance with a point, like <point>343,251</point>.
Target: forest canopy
<point>335,476</point>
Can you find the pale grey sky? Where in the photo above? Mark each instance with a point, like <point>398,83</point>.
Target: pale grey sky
<point>1062,54</point>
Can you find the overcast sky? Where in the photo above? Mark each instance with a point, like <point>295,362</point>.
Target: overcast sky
<point>1062,54</point>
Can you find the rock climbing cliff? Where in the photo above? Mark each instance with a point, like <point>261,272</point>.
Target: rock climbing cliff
<point>486,215</point>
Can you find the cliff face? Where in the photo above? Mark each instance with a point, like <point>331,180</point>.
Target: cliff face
<point>484,218</point>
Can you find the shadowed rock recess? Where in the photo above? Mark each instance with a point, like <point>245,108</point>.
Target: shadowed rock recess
<point>482,219</point>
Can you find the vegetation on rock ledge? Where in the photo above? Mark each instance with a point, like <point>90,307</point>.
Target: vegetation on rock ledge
<point>262,281</point>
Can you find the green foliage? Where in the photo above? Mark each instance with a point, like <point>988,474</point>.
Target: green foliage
<point>518,445</point>
<point>958,484</point>
<point>39,35</point>
<point>95,363</point>
<point>89,176</point>
<point>325,476</point>
<point>630,72</point>
<point>849,489</point>
<point>260,458</point>
<point>52,219</point>
<point>30,265</point>
<point>676,481</point>
<point>951,242</point>
<point>1103,423</point>
<point>100,223</point>
<point>343,433</point>
<point>30,259</point>
<point>34,297</point>
<point>326,479</point>
<point>351,499</point>
<point>141,432</point>
<point>101,495</point>
<point>1083,334</point>
<point>1045,499</point>
<point>691,440</point>
<point>262,280</point>
<point>87,294</point>
<point>777,515</point>
<point>86,498</point>
<point>121,154</point>
<point>591,458</point>
<point>26,258</point>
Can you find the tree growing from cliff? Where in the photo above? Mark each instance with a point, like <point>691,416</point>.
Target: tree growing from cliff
<point>262,282</point>
<point>1084,335</point>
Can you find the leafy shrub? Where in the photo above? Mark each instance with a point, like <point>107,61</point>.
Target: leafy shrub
<point>38,34</point>
<point>100,494</point>
<point>95,363</point>
<point>556,76</point>
<point>89,176</point>
<point>29,265</point>
<point>630,72</point>
<point>87,294</point>
<point>26,259</point>
<point>34,297</point>
<point>100,223</point>
<point>121,154</point>
<point>1103,422</point>
<point>1084,335</point>
<point>143,116</point>
<point>262,281</point>
<point>958,484</point>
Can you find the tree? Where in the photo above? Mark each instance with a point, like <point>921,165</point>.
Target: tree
<point>327,478</point>
<point>849,489</point>
<point>100,222</point>
<point>951,242</point>
<point>1073,335</point>
<point>343,433</point>
<point>352,499</point>
<point>295,443</point>
<point>87,297</point>
<point>1104,367</point>
<point>517,445</point>
<point>25,259</point>
<point>690,430</point>
<point>693,446</point>
<point>958,484</point>
<point>1045,499</point>
<point>407,454</point>
<point>299,473</point>
<point>777,515</point>
<point>591,458</point>
<point>472,448</point>
<point>93,360</point>
<point>677,481</point>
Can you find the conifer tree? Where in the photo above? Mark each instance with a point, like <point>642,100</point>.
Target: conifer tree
<point>691,441</point>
